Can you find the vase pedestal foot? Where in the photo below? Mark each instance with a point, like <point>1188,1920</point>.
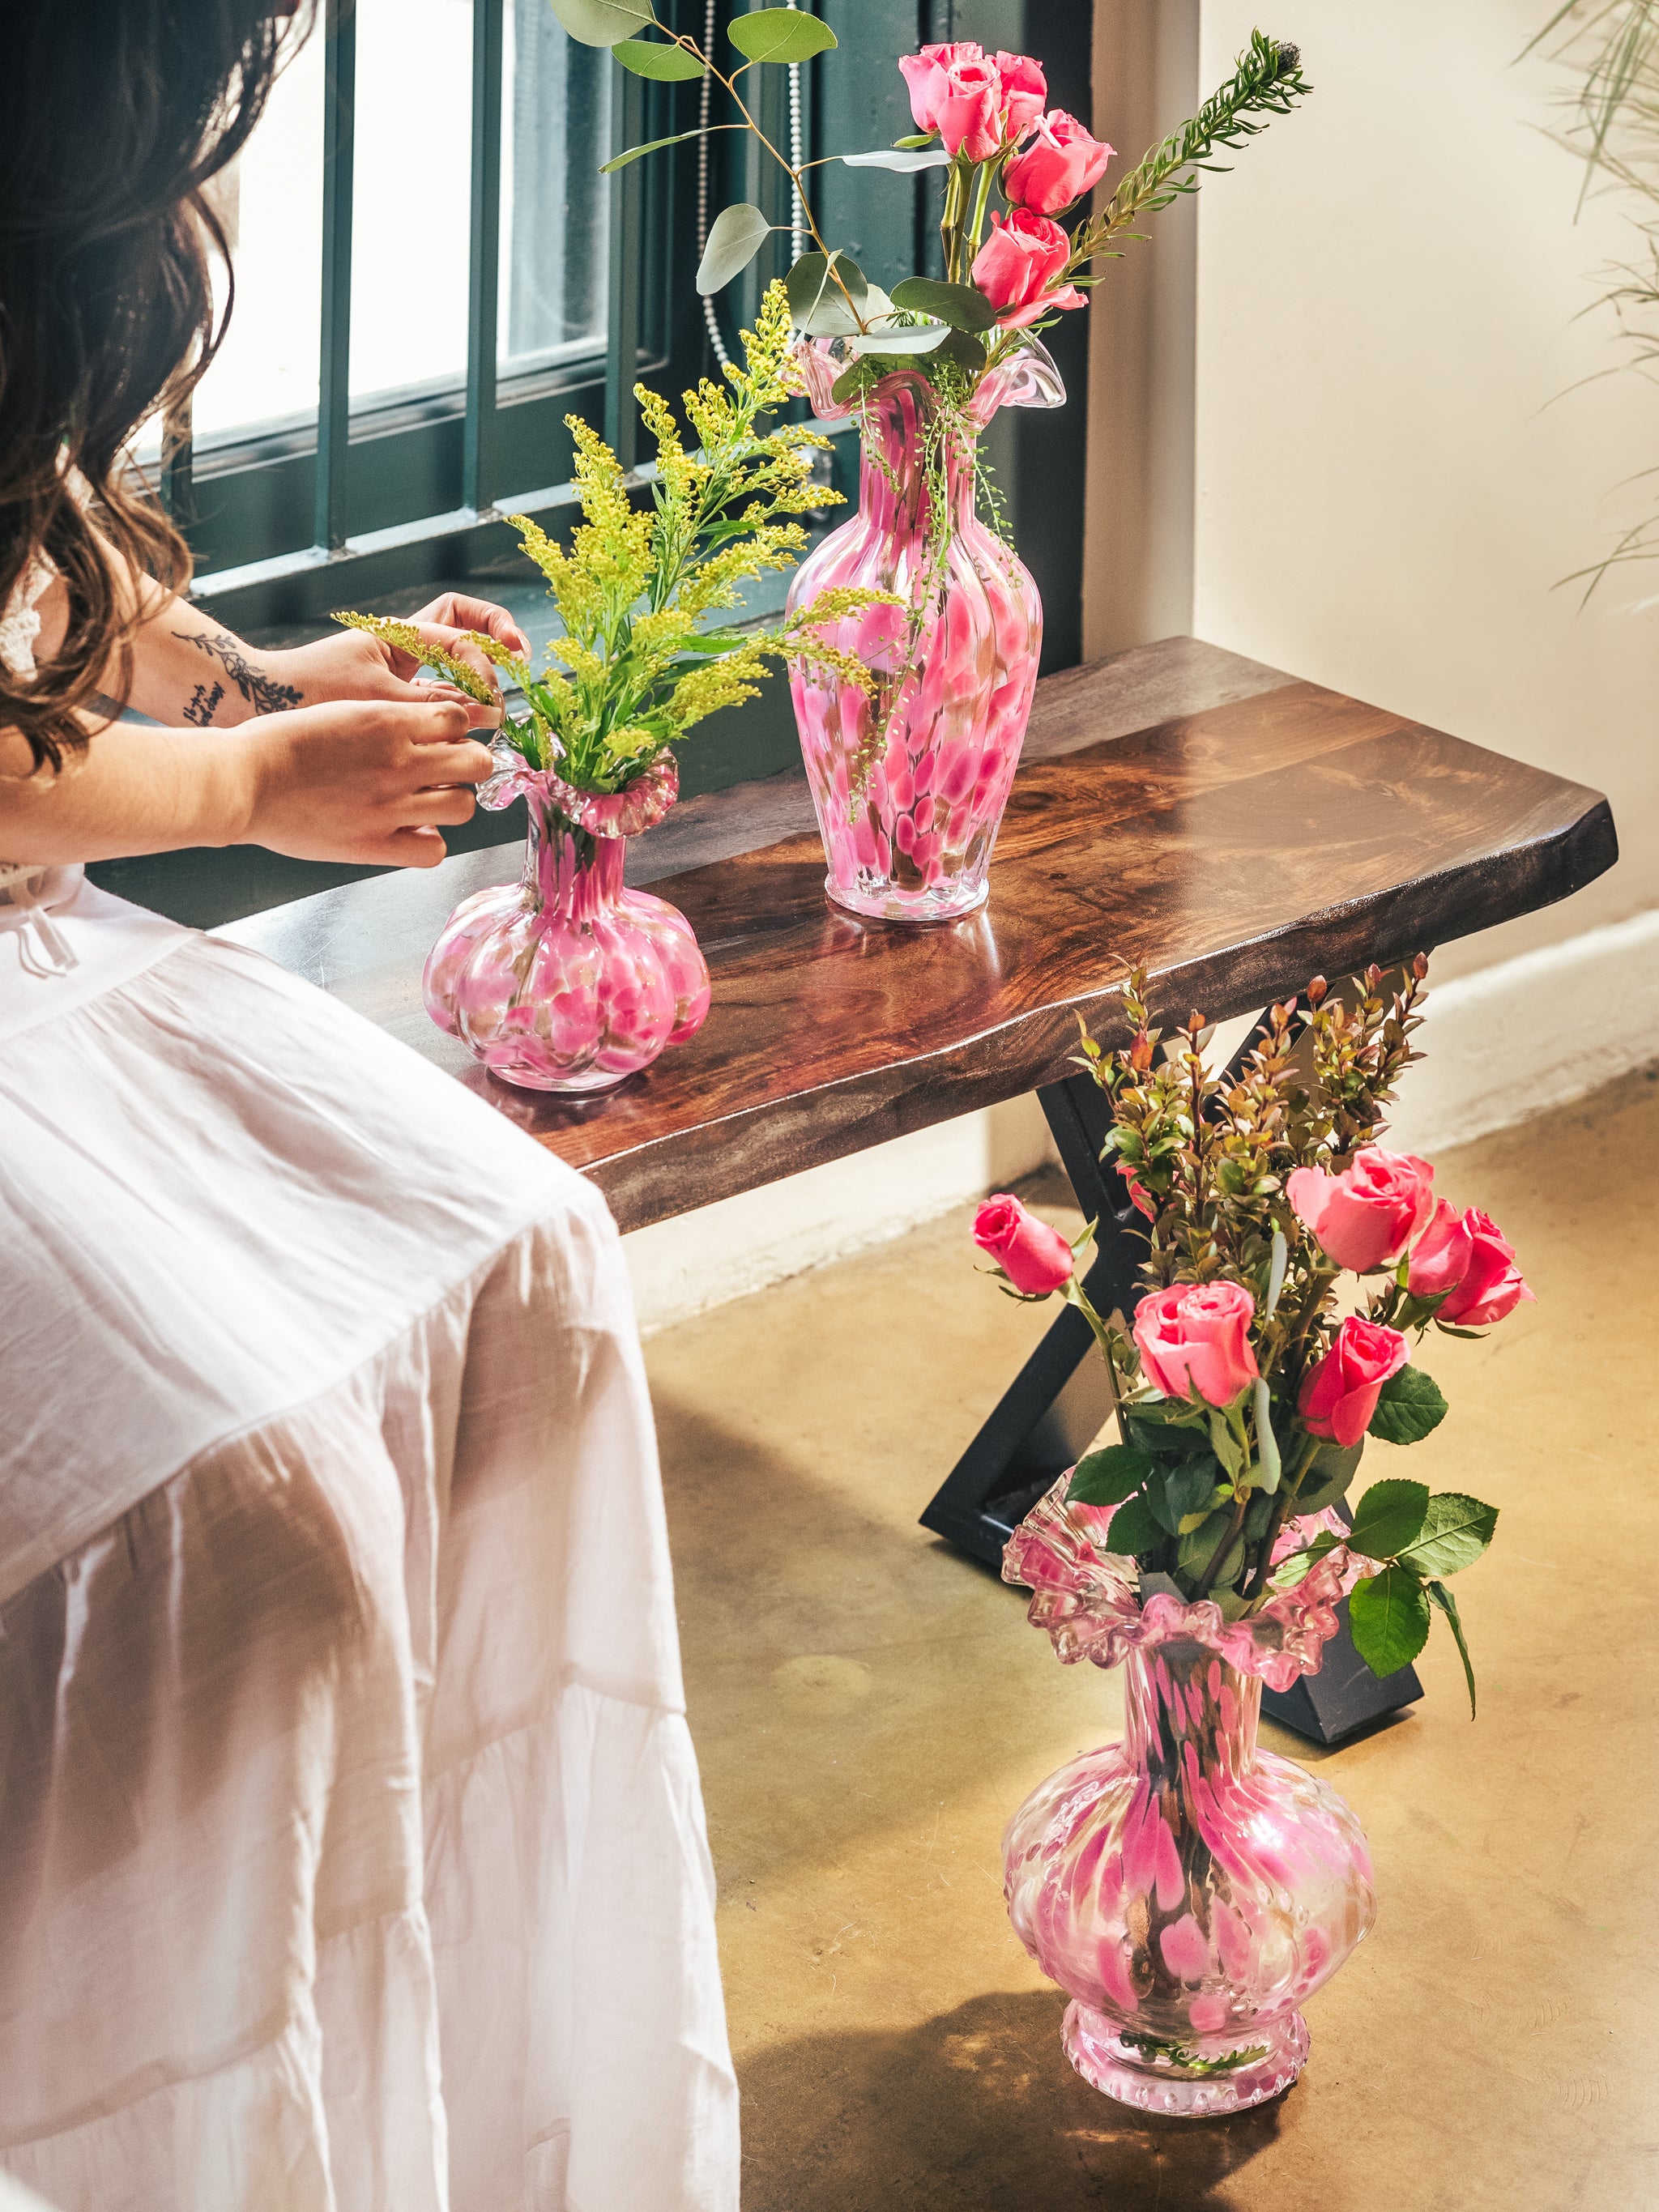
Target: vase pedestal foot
<point>913,909</point>
<point>1212,2075</point>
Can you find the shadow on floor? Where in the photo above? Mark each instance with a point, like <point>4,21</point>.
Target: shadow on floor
<point>974,2111</point>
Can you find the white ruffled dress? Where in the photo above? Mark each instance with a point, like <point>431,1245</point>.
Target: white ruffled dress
<point>352,1855</point>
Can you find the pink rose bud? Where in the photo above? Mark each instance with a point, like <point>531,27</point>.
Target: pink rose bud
<point>1194,1339</point>
<point>1024,89</point>
<point>1023,256</point>
<point>1365,1216</point>
<point>1056,166</point>
<point>925,75</point>
<point>1140,1197</point>
<point>1034,1258</point>
<point>1339,1395</point>
<point>970,108</point>
<point>1491,1285</point>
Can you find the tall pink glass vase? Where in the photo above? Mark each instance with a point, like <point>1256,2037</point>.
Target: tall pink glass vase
<point>567,981</point>
<point>1188,1890</point>
<point>909,786</point>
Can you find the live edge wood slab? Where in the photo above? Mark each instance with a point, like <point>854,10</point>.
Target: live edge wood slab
<point>1229,829</point>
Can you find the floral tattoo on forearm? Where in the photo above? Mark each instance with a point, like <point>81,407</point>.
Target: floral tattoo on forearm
<point>265,696</point>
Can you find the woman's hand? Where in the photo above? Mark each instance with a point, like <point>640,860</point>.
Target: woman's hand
<point>368,781</point>
<point>354,666</point>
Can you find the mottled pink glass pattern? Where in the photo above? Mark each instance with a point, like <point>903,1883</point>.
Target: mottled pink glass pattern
<point>1188,1890</point>
<point>909,786</point>
<point>567,981</point>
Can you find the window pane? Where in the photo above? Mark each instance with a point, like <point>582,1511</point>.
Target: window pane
<point>555,132</point>
<point>411,207</point>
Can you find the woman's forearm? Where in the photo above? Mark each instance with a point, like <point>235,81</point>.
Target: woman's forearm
<point>135,791</point>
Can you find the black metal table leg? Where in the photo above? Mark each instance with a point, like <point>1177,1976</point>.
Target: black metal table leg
<point>1060,1399</point>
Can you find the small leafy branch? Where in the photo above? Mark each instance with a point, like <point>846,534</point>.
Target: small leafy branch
<point>1244,1393</point>
<point>638,664</point>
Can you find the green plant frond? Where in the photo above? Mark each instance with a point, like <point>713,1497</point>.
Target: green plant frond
<point>404,637</point>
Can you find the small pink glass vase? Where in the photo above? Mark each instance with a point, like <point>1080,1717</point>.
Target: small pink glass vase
<point>1187,1890</point>
<point>567,981</point>
<point>909,786</point>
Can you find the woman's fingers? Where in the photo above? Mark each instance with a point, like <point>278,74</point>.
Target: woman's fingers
<point>465,761</point>
<point>454,610</point>
<point>451,805</point>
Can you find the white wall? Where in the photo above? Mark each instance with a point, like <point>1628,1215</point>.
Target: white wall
<point>1392,472</point>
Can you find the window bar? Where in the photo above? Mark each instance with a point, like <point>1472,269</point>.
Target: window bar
<point>484,256</point>
<point>334,369</point>
<point>622,359</point>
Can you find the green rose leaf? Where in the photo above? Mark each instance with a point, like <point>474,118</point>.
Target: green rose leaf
<point>1411,1405</point>
<point>1107,1478</point>
<point>735,237</point>
<point>1176,1493</point>
<point>1223,1442</point>
<point>1455,1531</point>
<point>1388,1517</point>
<point>1329,1472</point>
<point>909,145</point>
<point>1389,1616</point>
<point>960,305</point>
<point>781,34</point>
<point>905,160</point>
<point>1197,1549</point>
<point>652,57</point>
<point>816,302</point>
<point>1440,1595</point>
<point>603,22</point>
<point>1133,1529</point>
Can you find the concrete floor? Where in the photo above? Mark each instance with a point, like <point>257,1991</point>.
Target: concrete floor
<point>869,1707</point>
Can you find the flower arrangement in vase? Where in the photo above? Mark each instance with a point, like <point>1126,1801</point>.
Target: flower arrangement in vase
<point>1186,1888</point>
<point>568,981</point>
<point>910,772</point>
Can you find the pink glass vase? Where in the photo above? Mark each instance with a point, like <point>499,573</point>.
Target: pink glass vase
<point>1186,1889</point>
<point>909,786</point>
<point>567,981</point>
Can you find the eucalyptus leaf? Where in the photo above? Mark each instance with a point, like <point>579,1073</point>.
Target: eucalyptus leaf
<point>1388,1517</point>
<point>1266,1443</point>
<point>817,304</point>
<point>1133,1529</point>
<point>652,57</point>
<point>921,138</point>
<point>735,237</point>
<point>1388,1619</point>
<point>1329,1472</point>
<point>1440,1595</point>
<point>1197,1550</point>
<point>1409,1406</point>
<point>603,22</point>
<point>1455,1531</point>
<point>1108,1477</point>
<point>904,160</point>
<point>920,337</point>
<point>964,348</point>
<point>962,305</point>
<point>654,145</point>
<point>780,34</point>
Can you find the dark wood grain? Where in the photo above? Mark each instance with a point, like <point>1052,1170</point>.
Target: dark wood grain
<point>1231,850</point>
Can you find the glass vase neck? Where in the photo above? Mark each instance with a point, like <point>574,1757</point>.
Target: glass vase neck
<point>569,870</point>
<point>906,453</point>
<point>1187,1712</point>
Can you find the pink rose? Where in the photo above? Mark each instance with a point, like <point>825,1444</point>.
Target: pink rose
<point>970,109</point>
<point>1025,88</point>
<point>1140,1197</point>
<point>1365,1216</point>
<point>1339,1395</point>
<point>1490,1285</point>
<point>1024,254</point>
<point>924,73</point>
<point>1034,1258</point>
<point>1057,165</point>
<point>1441,1255</point>
<point>1195,1337</point>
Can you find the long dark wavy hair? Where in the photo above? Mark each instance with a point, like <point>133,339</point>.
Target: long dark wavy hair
<point>113,114</point>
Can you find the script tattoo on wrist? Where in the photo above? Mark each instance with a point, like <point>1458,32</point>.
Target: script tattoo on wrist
<point>261,694</point>
<point>202,704</point>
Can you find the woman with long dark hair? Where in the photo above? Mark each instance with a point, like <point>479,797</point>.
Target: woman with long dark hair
<point>351,1847</point>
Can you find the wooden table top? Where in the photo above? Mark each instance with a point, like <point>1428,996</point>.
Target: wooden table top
<point>1233,830</point>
